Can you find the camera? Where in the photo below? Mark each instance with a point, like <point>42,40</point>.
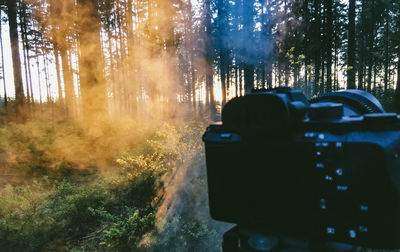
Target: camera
<point>326,169</point>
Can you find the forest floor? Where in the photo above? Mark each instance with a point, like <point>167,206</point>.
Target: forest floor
<point>116,185</point>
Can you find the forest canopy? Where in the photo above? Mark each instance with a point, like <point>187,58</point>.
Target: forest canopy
<point>131,57</point>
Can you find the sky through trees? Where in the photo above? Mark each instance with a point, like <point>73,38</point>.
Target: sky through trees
<point>129,57</point>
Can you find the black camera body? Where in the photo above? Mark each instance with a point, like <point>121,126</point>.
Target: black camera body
<point>325,170</point>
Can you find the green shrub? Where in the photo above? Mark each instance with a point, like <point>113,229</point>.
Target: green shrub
<point>123,232</point>
<point>86,202</point>
<point>66,148</point>
<point>60,215</point>
<point>181,235</point>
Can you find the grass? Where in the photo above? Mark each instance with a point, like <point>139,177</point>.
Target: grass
<point>95,187</point>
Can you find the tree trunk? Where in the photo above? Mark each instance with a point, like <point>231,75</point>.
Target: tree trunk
<point>398,66</point>
<point>14,40</point>
<point>223,74</point>
<point>236,80</point>
<point>24,49</point>
<point>361,46</point>
<point>68,83</point>
<point>30,77</point>
<point>46,77</point>
<point>329,39</point>
<point>397,92</point>
<point>240,79</point>
<point>2,66</point>
<point>371,40</point>
<point>286,49</point>
<point>91,66</point>
<point>58,73</point>
<point>248,78</point>
<point>131,59</point>
<point>269,54</point>
<point>38,73</point>
<point>122,61</point>
<point>351,48</point>
<point>317,47</point>
<point>209,61</point>
<point>191,54</point>
<point>386,78</point>
<point>306,45</point>
<point>222,24</point>
<point>114,89</point>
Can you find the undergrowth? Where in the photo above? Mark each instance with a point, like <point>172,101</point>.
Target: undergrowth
<point>97,188</point>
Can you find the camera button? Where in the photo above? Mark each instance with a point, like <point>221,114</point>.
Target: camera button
<point>342,188</point>
<point>322,144</point>
<point>352,234</point>
<point>330,230</point>
<point>322,203</point>
<point>339,172</point>
<point>310,135</point>
<point>225,136</point>
<point>363,229</point>
<point>364,208</point>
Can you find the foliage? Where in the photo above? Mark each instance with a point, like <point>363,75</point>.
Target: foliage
<point>58,215</point>
<point>67,147</point>
<point>99,209</point>
<point>124,232</point>
<point>181,235</point>
<point>385,98</point>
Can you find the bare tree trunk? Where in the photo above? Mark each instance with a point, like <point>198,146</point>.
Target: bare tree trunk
<point>351,48</point>
<point>2,65</point>
<point>30,77</point>
<point>397,92</point>
<point>58,73</point>
<point>46,77</point>
<point>361,47</point>
<point>68,83</point>
<point>317,47</point>
<point>121,61</point>
<point>248,78</point>
<point>115,94</point>
<point>19,90</point>
<point>193,80</point>
<point>269,55</point>
<point>236,81</point>
<point>371,40</point>
<point>398,68</point>
<point>386,78</point>
<point>240,79</point>
<point>38,73</point>
<point>91,66</point>
<point>191,54</point>
<point>223,75</point>
<point>374,85</point>
<point>25,49</point>
<point>329,39</point>
<point>286,27</point>
<point>131,58</point>
<point>209,62</point>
